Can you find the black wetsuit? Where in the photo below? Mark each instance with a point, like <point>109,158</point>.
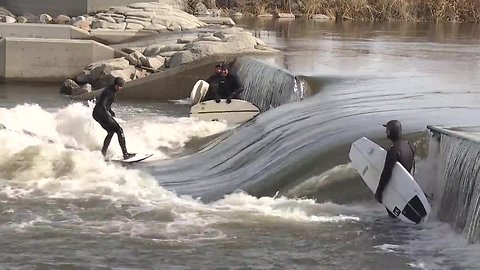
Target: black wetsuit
<point>401,151</point>
<point>227,87</point>
<point>103,114</point>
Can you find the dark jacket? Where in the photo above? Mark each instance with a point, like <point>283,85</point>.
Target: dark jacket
<point>103,107</point>
<point>224,87</point>
<point>401,151</point>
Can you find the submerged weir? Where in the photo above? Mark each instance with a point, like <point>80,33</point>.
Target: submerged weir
<point>457,180</point>
<point>268,86</point>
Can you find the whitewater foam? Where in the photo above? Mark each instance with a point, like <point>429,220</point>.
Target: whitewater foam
<point>74,127</point>
<point>340,173</point>
<point>53,156</point>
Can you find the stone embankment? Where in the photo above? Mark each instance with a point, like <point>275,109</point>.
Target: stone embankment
<point>141,19</point>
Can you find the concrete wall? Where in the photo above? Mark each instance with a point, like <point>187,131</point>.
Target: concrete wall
<point>48,60</point>
<point>51,7</point>
<point>455,174</point>
<point>175,83</point>
<point>34,30</point>
<point>66,7</point>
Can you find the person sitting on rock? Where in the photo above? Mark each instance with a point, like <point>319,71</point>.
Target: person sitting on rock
<point>223,85</point>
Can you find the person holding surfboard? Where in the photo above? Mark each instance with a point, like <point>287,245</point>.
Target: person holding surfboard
<point>401,150</point>
<point>103,114</point>
<point>223,84</point>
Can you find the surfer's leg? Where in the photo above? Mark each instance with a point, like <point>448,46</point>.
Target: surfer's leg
<point>121,140</point>
<point>105,125</point>
<point>106,142</point>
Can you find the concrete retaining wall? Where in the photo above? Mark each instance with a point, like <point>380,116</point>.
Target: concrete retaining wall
<point>37,30</point>
<point>456,190</point>
<point>51,7</point>
<point>175,83</point>
<point>48,60</point>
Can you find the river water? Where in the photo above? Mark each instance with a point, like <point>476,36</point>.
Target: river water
<point>276,193</point>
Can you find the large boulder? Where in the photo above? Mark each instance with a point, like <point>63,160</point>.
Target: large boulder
<point>153,62</point>
<point>158,49</point>
<point>181,58</point>
<point>152,16</point>
<point>99,73</point>
<point>21,19</point>
<point>102,24</point>
<point>68,86</point>
<point>44,18</point>
<point>7,19</point>
<point>83,24</point>
<point>60,19</point>
<point>234,40</point>
<point>136,58</point>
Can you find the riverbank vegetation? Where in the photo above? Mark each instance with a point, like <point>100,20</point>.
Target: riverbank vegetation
<point>365,10</point>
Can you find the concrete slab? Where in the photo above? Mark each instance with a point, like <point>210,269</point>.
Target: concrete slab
<point>39,30</point>
<point>48,60</point>
<point>111,37</point>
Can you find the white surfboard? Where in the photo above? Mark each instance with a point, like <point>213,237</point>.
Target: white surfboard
<point>236,112</point>
<point>402,195</point>
<point>199,91</point>
<point>136,158</point>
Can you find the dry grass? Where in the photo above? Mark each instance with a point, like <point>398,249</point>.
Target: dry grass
<point>374,10</point>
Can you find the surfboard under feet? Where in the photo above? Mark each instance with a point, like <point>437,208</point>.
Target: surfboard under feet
<point>137,158</point>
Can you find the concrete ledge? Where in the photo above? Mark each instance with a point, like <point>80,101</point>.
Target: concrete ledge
<point>48,60</point>
<point>217,20</point>
<point>176,83</point>
<point>470,134</point>
<point>455,179</point>
<point>111,37</point>
<point>37,30</point>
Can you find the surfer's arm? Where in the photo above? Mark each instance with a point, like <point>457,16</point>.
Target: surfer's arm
<point>390,160</point>
<point>107,102</point>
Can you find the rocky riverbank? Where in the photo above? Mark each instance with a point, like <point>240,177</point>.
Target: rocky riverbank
<point>153,17</point>
<point>141,62</point>
<point>131,63</point>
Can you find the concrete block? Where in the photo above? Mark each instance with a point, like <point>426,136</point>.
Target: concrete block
<point>51,7</point>
<point>48,60</point>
